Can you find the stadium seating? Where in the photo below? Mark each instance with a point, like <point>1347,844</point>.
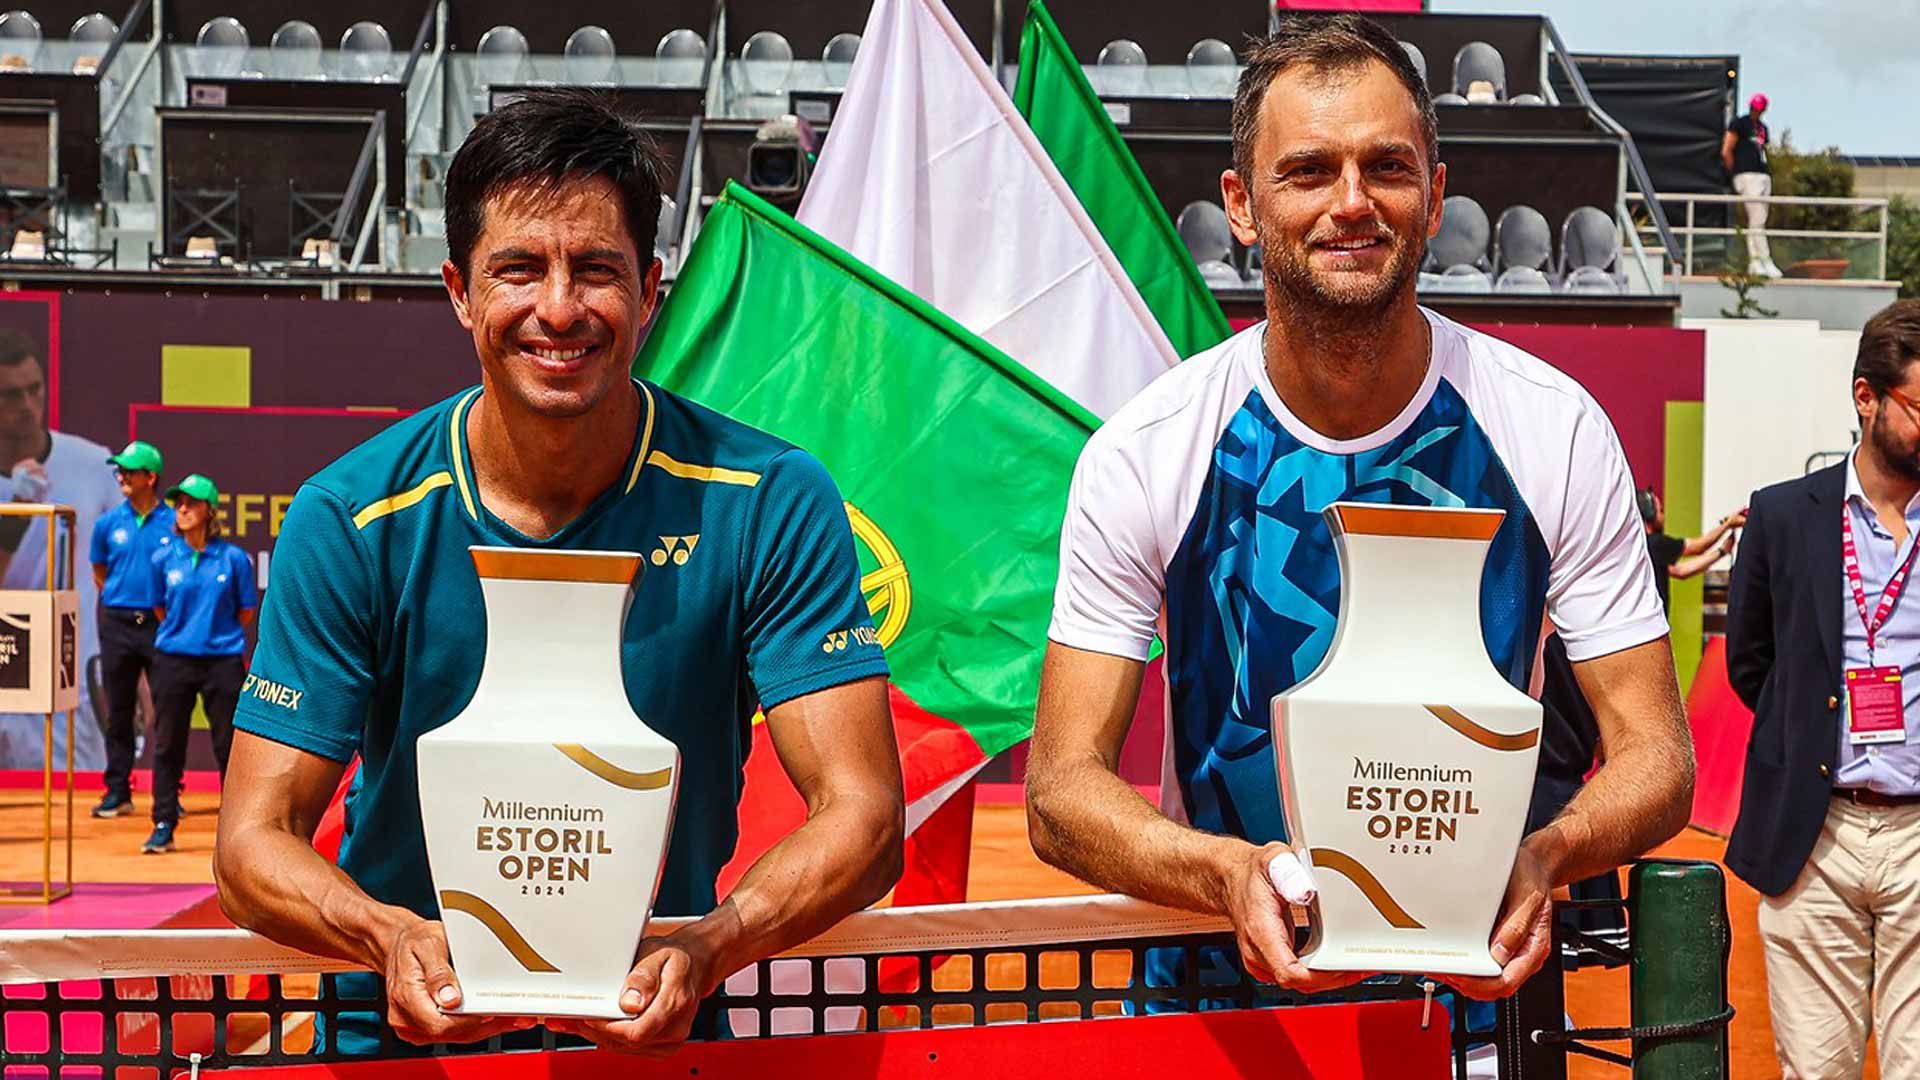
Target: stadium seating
<point>293,52</point>
<point>837,57</point>
<point>368,50</point>
<point>1591,281</point>
<point>20,40</point>
<point>591,56</point>
<point>1204,229</point>
<point>1461,279</point>
<point>1419,58</point>
<point>1463,237</point>
<point>766,62</point>
<point>1480,74</point>
<point>1522,279</point>
<point>1522,238</point>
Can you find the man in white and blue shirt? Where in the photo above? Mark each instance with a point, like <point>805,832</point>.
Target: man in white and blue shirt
<point>124,543</point>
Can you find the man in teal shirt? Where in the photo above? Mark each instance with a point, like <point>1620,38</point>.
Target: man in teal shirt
<point>373,632</point>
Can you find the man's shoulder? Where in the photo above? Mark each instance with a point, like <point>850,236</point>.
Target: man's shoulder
<point>1790,494</point>
<point>1495,375</point>
<point>1196,397</point>
<point>415,449</point>
<point>693,442</point>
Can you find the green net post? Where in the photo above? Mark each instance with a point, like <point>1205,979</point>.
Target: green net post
<point>1681,941</point>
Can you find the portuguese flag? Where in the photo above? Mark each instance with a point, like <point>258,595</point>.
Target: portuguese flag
<point>954,461</point>
<point>1059,104</point>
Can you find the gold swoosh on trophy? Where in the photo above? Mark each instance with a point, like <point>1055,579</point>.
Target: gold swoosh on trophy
<point>1349,867</point>
<point>614,774</point>
<point>490,917</point>
<point>1492,740</point>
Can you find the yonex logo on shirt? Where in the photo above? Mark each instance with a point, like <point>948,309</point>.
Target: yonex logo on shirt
<point>859,635</point>
<point>273,693</point>
<point>677,548</point>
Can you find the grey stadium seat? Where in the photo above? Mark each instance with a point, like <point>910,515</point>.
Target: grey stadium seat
<point>1479,73</point>
<point>1202,225</point>
<point>1419,58</point>
<point>1450,99</point>
<point>837,57</point>
<point>681,54</point>
<point>1212,69</point>
<point>1462,279</point>
<point>1588,237</point>
<point>590,55</point>
<point>1522,237</point>
<point>1522,279</point>
<point>1591,281</point>
<point>1219,275</point>
<point>767,62</point>
<point>293,52</point>
<point>1463,237</point>
<point>369,51</point>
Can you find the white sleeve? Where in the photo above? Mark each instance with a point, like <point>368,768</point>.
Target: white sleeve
<point>1111,575</point>
<point>1600,589</point>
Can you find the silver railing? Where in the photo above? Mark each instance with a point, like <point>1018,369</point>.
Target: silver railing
<point>1690,228</point>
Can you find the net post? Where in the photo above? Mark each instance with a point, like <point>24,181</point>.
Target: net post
<point>1681,942</point>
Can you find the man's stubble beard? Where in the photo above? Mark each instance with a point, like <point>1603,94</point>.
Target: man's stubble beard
<point>1293,287</point>
<point>1904,460</point>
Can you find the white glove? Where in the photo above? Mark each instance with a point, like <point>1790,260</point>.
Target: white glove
<point>1292,878</point>
<point>30,482</point>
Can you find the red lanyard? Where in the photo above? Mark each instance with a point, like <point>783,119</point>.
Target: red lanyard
<point>1850,558</point>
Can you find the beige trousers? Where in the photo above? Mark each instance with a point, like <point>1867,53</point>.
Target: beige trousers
<point>1843,948</point>
<point>1755,183</point>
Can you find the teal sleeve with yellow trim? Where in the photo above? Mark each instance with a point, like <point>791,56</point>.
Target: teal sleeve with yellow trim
<point>807,625</point>
<point>312,673</point>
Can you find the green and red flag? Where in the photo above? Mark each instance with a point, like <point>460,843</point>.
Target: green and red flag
<point>953,459</point>
<point>1059,104</point>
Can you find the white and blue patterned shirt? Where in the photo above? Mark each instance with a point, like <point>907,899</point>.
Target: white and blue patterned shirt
<point>1195,516</point>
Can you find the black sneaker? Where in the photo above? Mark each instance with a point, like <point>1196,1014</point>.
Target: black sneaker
<point>114,804</point>
<point>160,840</point>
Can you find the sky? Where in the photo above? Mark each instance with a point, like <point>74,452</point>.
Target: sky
<point>1840,73</point>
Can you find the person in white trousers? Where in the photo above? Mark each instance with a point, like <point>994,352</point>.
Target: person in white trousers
<point>1744,152</point>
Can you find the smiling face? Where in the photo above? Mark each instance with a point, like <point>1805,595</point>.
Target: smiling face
<point>134,483</point>
<point>1341,194</point>
<point>555,295</point>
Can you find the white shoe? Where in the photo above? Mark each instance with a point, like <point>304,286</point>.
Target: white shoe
<point>1770,270</point>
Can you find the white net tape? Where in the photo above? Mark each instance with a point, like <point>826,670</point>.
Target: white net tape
<point>43,956</point>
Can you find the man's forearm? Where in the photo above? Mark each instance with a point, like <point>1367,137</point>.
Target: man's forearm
<point>1643,793</point>
<point>845,857</point>
<point>275,884</point>
<point>1089,822</point>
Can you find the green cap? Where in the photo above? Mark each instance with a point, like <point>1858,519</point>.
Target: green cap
<point>196,486</point>
<point>138,455</point>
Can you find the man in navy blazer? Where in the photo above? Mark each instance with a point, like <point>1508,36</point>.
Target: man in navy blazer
<point>1826,651</point>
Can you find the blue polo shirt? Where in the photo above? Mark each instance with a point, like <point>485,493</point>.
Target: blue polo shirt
<point>204,593</point>
<point>125,541</point>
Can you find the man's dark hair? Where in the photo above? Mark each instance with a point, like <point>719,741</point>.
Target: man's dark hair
<point>1888,344</point>
<point>1647,503</point>
<point>1328,44</point>
<point>545,138</point>
<point>17,347</point>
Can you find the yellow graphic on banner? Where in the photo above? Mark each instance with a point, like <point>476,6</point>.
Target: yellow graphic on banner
<point>888,592</point>
<point>206,375</point>
<point>889,595</point>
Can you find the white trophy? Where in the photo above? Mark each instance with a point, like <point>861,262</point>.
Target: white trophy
<point>1406,760</point>
<point>547,803</point>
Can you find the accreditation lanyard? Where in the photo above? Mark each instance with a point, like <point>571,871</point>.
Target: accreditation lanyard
<point>1889,596</point>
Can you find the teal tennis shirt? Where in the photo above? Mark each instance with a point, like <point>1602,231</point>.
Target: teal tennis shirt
<point>373,630</point>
